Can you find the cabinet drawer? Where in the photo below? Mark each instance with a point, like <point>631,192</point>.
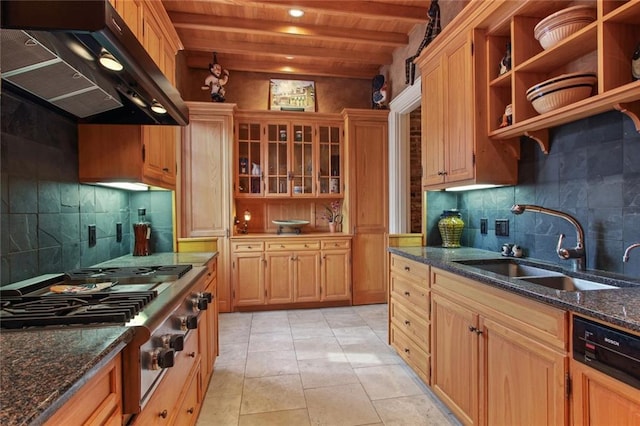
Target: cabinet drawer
<point>414,296</point>
<point>247,246</point>
<point>335,244</point>
<point>415,271</point>
<point>417,359</point>
<point>293,245</point>
<point>411,323</point>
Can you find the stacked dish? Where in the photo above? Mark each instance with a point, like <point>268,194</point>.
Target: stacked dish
<point>560,91</point>
<point>554,28</point>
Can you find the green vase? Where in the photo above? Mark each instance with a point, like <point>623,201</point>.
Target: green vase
<point>450,226</point>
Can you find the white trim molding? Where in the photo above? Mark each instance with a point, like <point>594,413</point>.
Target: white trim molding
<point>399,170</point>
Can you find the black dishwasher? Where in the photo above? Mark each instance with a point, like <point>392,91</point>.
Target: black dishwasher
<point>607,349</point>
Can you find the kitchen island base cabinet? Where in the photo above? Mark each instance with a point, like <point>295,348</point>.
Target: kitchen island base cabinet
<point>498,358</point>
<point>99,401</point>
<point>600,400</point>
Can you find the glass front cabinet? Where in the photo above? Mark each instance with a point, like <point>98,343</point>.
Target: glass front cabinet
<point>288,158</point>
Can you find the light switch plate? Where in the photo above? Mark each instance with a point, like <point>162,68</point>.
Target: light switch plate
<point>119,232</point>
<point>502,227</point>
<point>484,225</point>
<point>92,235</point>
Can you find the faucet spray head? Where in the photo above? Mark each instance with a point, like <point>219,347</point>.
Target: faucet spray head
<point>517,209</point>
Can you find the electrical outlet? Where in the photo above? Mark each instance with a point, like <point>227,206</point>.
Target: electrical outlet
<point>92,235</point>
<point>119,232</point>
<point>484,225</point>
<point>502,227</point>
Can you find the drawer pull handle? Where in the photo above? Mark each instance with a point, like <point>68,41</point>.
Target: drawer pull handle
<point>192,354</point>
<point>407,322</point>
<point>190,410</point>
<point>475,330</point>
<point>406,268</point>
<point>281,246</point>
<point>406,293</point>
<point>249,247</point>
<point>164,414</point>
<point>406,350</point>
<point>336,244</point>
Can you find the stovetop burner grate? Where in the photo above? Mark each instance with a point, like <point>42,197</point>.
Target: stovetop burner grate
<point>95,308</point>
<point>128,274</point>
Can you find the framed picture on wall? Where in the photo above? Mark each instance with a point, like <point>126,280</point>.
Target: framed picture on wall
<point>292,95</point>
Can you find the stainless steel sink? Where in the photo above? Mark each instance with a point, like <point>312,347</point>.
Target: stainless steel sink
<point>564,283</point>
<point>509,268</point>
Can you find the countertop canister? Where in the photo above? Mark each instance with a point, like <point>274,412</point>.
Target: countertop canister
<point>450,226</point>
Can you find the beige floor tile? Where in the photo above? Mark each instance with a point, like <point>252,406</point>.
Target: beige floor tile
<point>355,335</point>
<point>227,379</point>
<point>411,411</point>
<point>271,363</point>
<point>346,320</point>
<point>326,348</point>
<point>305,315</point>
<point>220,410</point>
<point>309,330</point>
<point>387,381</point>
<point>232,353</point>
<point>340,405</point>
<point>261,342</point>
<point>276,418</point>
<point>317,373</point>
<point>273,393</point>
<point>235,335</point>
<point>370,355</point>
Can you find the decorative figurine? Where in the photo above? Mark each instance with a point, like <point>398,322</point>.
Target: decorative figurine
<point>218,77</point>
<point>507,117</point>
<point>635,63</point>
<point>379,92</point>
<point>433,29</point>
<point>505,63</point>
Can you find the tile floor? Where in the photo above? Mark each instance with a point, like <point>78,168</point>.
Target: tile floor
<point>328,366</point>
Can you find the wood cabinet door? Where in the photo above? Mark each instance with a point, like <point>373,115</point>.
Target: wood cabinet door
<point>336,275</point>
<point>600,400</point>
<point>279,280</point>
<point>248,279</point>
<point>459,119</point>
<point>433,123</point>
<point>278,173</point>
<point>525,380</point>
<point>131,12</point>
<point>454,346</point>
<point>154,139</point>
<point>152,38</point>
<point>187,412</point>
<point>307,276</point>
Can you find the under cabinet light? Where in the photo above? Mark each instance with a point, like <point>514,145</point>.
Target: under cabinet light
<point>109,61</point>
<point>472,187</point>
<point>296,13</point>
<point>129,186</point>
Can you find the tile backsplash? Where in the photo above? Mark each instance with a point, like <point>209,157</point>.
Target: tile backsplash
<point>45,212</point>
<point>591,172</point>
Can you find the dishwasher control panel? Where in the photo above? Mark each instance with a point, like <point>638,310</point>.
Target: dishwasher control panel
<point>607,349</point>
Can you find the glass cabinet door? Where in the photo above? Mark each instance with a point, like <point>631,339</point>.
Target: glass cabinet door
<point>302,159</point>
<point>249,167</point>
<point>278,136</point>
<point>330,144</point>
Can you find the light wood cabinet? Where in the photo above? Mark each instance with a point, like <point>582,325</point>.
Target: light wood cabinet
<point>409,314</point>
<point>98,401</point>
<point>600,400</point>
<point>208,327</point>
<point>124,153</point>
<point>498,358</point>
<point>366,207</point>
<point>282,271</point>
<point>205,190</point>
<point>605,46</point>
<point>455,148</point>
<point>281,155</point>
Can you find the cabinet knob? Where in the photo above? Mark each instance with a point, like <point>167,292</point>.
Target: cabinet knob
<point>165,169</point>
<point>406,268</point>
<point>190,410</point>
<point>407,322</point>
<point>406,350</point>
<point>164,414</point>
<point>406,293</point>
<point>192,354</point>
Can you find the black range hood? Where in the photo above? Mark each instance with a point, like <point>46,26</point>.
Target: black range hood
<point>50,51</point>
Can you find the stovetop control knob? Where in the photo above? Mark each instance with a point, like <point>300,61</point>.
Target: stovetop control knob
<point>207,295</point>
<point>189,322</point>
<point>203,304</point>
<point>199,302</point>
<point>173,341</point>
<point>161,358</point>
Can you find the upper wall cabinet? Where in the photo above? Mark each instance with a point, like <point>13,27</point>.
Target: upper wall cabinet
<point>456,150</point>
<point>282,155</point>
<point>604,47</point>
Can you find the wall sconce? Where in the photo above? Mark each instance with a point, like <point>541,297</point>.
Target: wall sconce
<point>245,226</point>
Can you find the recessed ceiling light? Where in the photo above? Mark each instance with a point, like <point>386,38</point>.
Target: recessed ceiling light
<point>296,13</point>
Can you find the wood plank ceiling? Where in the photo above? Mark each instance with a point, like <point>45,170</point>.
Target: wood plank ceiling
<point>346,39</point>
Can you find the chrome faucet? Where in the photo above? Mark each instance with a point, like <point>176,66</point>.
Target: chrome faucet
<point>578,252</point>
<point>625,258</point>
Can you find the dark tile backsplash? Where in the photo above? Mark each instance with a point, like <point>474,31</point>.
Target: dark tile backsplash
<point>591,172</point>
<point>45,212</point>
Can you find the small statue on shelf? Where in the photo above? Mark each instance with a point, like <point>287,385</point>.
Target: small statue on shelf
<point>507,117</point>
<point>505,63</point>
<point>218,77</point>
<point>635,63</point>
<point>379,92</point>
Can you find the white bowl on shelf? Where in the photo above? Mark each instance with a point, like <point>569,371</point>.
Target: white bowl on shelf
<point>560,25</point>
<point>560,91</point>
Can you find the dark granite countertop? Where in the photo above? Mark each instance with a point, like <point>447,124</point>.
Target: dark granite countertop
<point>42,369</point>
<point>620,306</point>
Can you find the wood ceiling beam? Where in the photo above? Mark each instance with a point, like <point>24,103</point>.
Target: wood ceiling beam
<point>360,8</point>
<point>193,21</point>
<point>280,51</point>
<point>278,67</point>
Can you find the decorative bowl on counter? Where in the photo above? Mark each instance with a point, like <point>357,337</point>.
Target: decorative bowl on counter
<point>294,224</point>
<point>560,25</point>
<point>560,91</point>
